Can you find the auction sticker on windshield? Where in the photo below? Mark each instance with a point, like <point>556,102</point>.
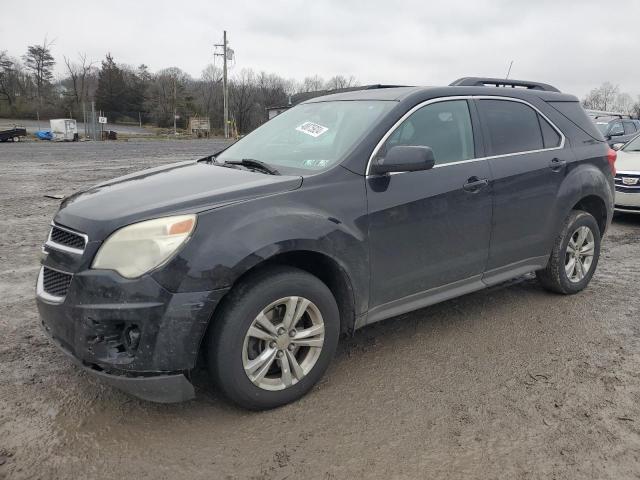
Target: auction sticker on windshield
<point>312,129</point>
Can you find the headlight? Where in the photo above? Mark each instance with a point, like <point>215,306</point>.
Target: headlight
<point>138,248</point>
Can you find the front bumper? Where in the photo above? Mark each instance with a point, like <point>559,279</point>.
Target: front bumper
<point>627,202</point>
<point>158,388</point>
<point>94,321</point>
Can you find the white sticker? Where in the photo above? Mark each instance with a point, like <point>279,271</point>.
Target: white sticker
<point>312,129</point>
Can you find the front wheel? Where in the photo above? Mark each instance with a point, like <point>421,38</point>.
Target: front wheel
<point>273,338</point>
<point>574,257</point>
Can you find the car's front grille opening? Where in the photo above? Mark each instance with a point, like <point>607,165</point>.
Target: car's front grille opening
<point>55,283</point>
<point>628,182</point>
<point>67,238</point>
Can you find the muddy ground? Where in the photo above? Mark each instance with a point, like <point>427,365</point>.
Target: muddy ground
<point>512,382</point>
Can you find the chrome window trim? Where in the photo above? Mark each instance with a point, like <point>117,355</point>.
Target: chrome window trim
<point>58,246</point>
<point>467,97</point>
<point>40,292</point>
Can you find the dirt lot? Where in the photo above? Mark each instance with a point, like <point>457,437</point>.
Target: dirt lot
<point>507,383</point>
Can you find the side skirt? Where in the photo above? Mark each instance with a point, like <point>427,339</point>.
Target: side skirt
<point>452,290</point>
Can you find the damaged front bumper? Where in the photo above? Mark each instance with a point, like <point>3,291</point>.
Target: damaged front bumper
<point>133,334</point>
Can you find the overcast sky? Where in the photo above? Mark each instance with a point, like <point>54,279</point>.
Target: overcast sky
<point>573,44</point>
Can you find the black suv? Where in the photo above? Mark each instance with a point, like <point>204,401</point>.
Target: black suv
<point>340,212</point>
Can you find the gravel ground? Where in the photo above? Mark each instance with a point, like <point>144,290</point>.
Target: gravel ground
<point>511,382</point>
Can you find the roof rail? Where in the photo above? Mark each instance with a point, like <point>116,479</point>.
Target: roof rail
<point>379,85</point>
<point>502,82</point>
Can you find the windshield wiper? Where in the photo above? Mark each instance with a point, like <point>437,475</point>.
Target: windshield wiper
<point>254,164</point>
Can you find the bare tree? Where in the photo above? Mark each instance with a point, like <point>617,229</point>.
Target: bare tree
<point>312,84</point>
<point>243,95</point>
<point>167,94</point>
<point>209,91</point>
<point>339,81</point>
<point>7,79</point>
<point>602,98</point>
<point>79,74</point>
<point>624,103</point>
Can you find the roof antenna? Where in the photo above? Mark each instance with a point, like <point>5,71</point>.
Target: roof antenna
<point>509,71</point>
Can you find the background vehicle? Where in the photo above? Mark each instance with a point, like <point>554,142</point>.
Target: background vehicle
<point>342,211</point>
<point>12,134</point>
<point>619,131</point>
<point>628,177</point>
<point>64,130</point>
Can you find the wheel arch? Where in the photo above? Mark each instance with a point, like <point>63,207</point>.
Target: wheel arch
<point>596,206</point>
<point>585,188</point>
<point>322,266</point>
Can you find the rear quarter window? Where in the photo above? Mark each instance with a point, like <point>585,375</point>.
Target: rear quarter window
<point>574,112</point>
<point>513,126</point>
<point>550,136</point>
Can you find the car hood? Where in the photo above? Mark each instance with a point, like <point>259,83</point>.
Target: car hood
<point>177,188</point>
<point>628,161</point>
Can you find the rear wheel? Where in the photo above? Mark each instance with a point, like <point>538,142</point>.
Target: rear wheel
<point>16,139</point>
<point>575,255</point>
<point>274,338</point>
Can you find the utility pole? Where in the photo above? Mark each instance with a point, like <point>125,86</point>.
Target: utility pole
<point>175,96</point>
<point>225,87</point>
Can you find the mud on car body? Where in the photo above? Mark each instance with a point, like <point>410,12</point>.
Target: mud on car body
<point>340,212</point>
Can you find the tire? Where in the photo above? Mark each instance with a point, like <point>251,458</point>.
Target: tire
<point>555,276</point>
<point>233,353</point>
<point>16,139</point>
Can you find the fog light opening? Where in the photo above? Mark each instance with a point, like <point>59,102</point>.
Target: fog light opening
<point>132,338</point>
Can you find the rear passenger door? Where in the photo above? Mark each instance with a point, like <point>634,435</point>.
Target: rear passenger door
<point>527,162</point>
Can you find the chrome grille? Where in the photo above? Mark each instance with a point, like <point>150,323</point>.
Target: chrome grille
<point>55,283</point>
<point>627,188</point>
<point>64,239</point>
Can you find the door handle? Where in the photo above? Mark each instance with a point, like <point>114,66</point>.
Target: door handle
<point>475,184</point>
<point>556,164</point>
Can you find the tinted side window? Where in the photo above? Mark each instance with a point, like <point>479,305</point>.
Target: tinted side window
<point>616,129</point>
<point>629,128</point>
<point>443,126</point>
<point>550,136</point>
<point>513,126</point>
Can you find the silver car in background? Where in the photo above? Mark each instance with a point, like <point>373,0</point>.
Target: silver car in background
<point>628,177</point>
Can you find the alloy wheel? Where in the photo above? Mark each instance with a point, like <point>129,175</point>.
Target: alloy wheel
<point>579,254</point>
<point>283,343</point>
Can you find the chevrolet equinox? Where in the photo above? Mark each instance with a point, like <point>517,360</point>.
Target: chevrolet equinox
<point>342,211</point>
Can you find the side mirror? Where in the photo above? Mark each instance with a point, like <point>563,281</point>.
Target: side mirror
<point>405,158</point>
<point>616,133</point>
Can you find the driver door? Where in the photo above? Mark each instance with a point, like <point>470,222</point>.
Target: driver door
<point>429,231</point>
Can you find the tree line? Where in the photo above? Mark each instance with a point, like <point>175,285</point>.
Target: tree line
<point>125,93</point>
<point>608,97</point>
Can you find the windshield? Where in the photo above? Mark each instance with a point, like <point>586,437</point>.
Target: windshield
<point>309,137</point>
<point>633,145</point>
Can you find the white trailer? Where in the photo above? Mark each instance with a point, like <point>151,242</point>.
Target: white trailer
<point>64,130</point>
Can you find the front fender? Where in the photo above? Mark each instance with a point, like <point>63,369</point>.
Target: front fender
<point>231,240</point>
